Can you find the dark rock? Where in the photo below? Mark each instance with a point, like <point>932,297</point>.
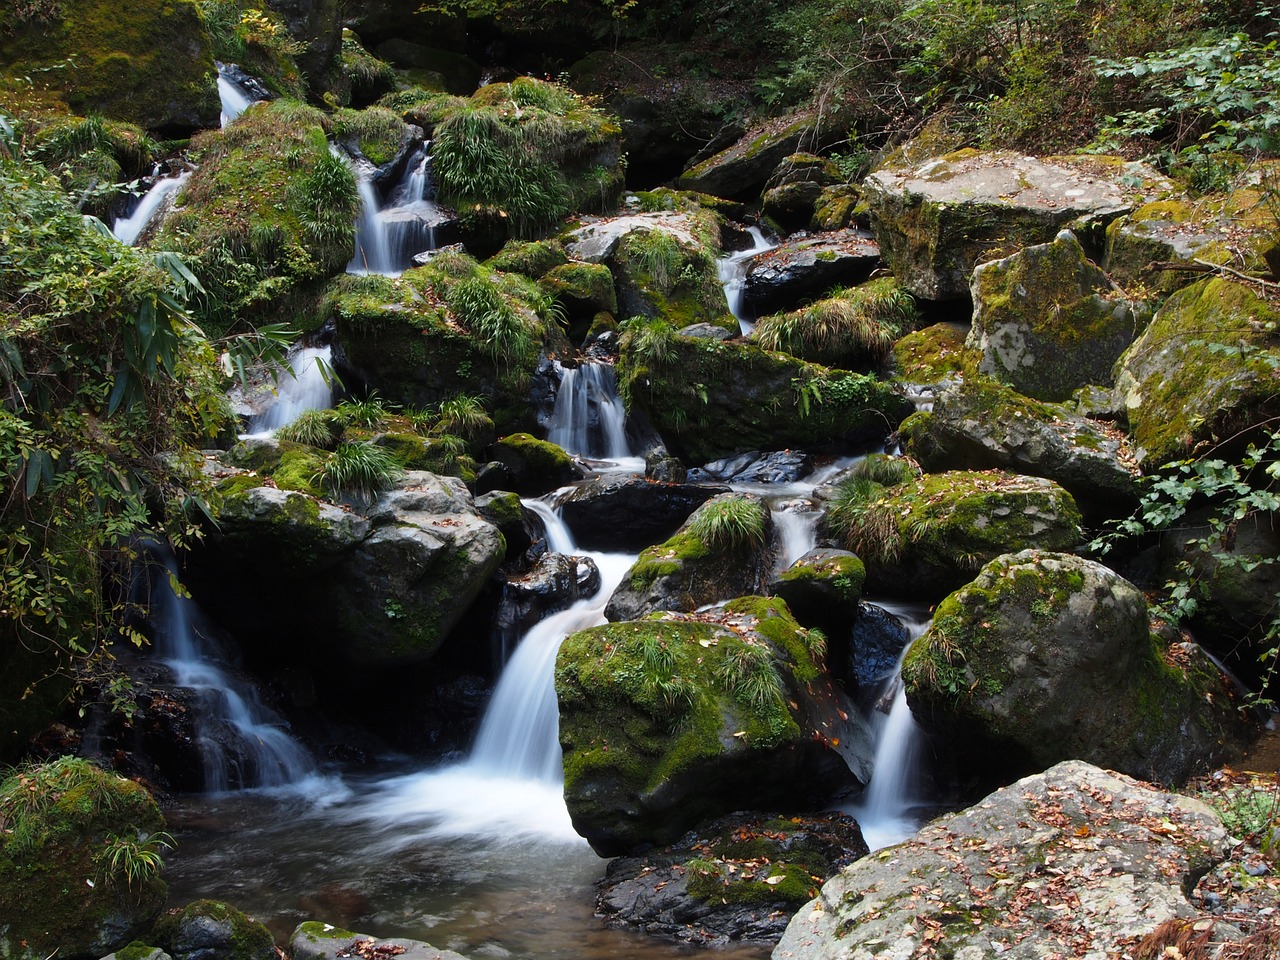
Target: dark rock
<point>664,469</point>
<point>554,582</point>
<point>622,512</point>
<point>776,466</point>
<point>740,171</point>
<point>502,508</point>
<point>875,644</point>
<point>317,25</point>
<point>534,466</point>
<point>797,270</point>
<point>822,589</point>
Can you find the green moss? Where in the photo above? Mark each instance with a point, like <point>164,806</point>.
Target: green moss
<point>137,950</point>
<point>590,283</point>
<point>316,930</point>
<point>931,354</point>
<point>666,558</point>
<point>377,132</point>
<point>532,258</point>
<point>249,939</point>
<point>297,470</point>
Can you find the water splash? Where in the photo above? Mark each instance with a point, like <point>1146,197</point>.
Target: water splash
<point>235,98</point>
<point>733,269</point>
<point>128,229</point>
<point>304,386</point>
<point>390,235</point>
<point>589,419</point>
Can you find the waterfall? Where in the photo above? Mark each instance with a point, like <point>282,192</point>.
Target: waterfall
<point>883,811</point>
<point>304,386</point>
<point>234,97</point>
<point>389,237</point>
<point>795,523</point>
<point>241,742</point>
<point>128,229</point>
<point>589,419</point>
<point>733,275</point>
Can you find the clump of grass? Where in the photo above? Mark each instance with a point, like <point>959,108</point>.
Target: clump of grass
<point>137,859</point>
<point>857,327</point>
<point>649,340</point>
<point>859,517</point>
<point>29,795</point>
<point>365,74</point>
<point>749,673</point>
<point>729,523</point>
<point>368,412</point>
<point>315,428</point>
<point>487,316</point>
<point>462,416</point>
<point>377,131</point>
<point>324,198</point>
<point>886,470</point>
<point>361,469</point>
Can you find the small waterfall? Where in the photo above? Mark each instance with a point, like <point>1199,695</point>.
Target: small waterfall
<point>389,237</point>
<point>234,97</point>
<point>128,229</point>
<point>795,523</point>
<point>589,419</point>
<point>733,275</point>
<point>883,811</point>
<point>241,742</point>
<point>304,386</point>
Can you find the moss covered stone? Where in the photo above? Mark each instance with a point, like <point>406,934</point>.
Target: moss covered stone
<point>532,258</point>
<point>535,466</point>
<point>210,927</point>
<point>584,287</point>
<point>1048,656</point>
<point>153,67</point>
<point>823,588</point>
<point>665,721</point>
<point>934,354</point>
<point>62,886</point>
<point>1202,372</point>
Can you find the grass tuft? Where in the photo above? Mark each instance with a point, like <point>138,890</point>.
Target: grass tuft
<point>361,469</point>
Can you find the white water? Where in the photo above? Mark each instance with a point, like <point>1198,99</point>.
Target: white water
<point>795,524</point>
<point>589,419</point>
<point>388,237</point>
<point>304,386</point>
<point>883,811</point>
<point>241,742</point>
<point>128,229</point>
<point>234,97</point>
<point>733,270</point>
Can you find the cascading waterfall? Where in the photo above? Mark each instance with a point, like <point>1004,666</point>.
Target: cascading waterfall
<point>883,811</point>
<point>589,419</point>
<point>795,523</point>
<point>733,275</point>
<point>304,386</point>
<point>235,98</point>
<point>128,229</point>
<point>241,742</point>
<point>389,236</point>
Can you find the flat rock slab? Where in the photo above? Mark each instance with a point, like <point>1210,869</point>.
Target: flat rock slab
<point>597,239</point>
<point>324,941</point>
<point>1074,862</point>
<point>797,270</point>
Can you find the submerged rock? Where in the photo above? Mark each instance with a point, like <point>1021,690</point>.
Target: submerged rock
<point>1075,861</point>
<point>672,720</point>
<point>1047,656</point>
<point>734,880</point>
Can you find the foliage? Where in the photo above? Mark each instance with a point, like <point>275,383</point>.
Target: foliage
<point>361,469</point>
<point>137,858</point>
<point>1249,807</point>
<point>29,794</point>
<point>377,131</point>
<point>364,73</point>
<point>248,33</point>
<point>462,416</point>
<point>729,524</point>
<point>368,412</point>
<point>857,326</point>
<point>749,673</point>
<point>490,318</point>
<point>315,428</point>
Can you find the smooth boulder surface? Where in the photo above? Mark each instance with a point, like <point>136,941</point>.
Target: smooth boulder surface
<point>799,270</point>
<point>618,512</point>
<point>213,930</point>
<point>670,721</point>
<point>1047,321</point>
<point>1048,656</point>
<point>317,940</point>
<point>1073,862</point>
<point>936,219</point>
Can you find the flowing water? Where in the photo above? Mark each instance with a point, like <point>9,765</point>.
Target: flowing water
<point>733,269</point>
<point>235,98</point>
<point>589,419</point>
<point>390,234</point>
<point>306,385</point>
<point>128,229</point>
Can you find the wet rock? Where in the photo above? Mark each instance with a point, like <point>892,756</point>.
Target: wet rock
<point>534,466</point>
<point>315,940</point>
<point>629,513</point>
<point>936,219</point>
<point>822,589</point>
<point>1048,321</point>
<point>1047,656</point>
<point>670,721</point>
<point>502,508</point>
<point>796,186</point>
<point>724,550</point>
<point>775,466</point>
<point>554,582</point>
<point>1075,861</point>
<point>875,644</point>
<point>213,930</point>
<point>801,269</point>
<point>735,880</point>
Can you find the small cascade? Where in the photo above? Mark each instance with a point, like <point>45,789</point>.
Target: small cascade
<point>235,98</point>
<point>795,523</point>
<point>589,419</point>
<point>242,743</point>
<point>304,386</point>
<point>883,811</point>
<point>389,236</point>
<point>128,229</point>
<point>733,275</point>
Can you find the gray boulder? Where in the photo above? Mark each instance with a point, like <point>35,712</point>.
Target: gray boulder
<point>1072,862</point>
<point>1047,656</point>
<point>822,588</point>
<point>213,930</point>
<point>315,940</point>
<point>1048,321</point>
<point>937,219</point>
<point>802,269</point>
<point>740,171</point>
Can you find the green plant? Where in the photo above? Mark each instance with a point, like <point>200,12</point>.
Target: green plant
<point>1249,807</point>
<point>462,416</point>
<point>854,327</point>
<point>368,412</point>
<point>729,524</point>
<point>361,469</point>
<point>315,428</point>
<point>137,859</point>
<point>29,795</point>
<point>748,671</point>
<point>488,317</point>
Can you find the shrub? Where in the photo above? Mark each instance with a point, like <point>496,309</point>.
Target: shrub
<point>361,469</point>
<point>729,523</point>
<point>858,326</point>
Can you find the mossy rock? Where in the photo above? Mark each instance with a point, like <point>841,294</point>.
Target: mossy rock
<point>268,215</point>
<point>377,133</point>
<point>532,258</point>
<point>927,536</point>
<point>213,930</point>
<point>535,466</point>
<point>1203,371</point>
<point>934,354</point>
<point>823,588</point>
<point>671,720</point>
<point>1047,321</point>
<point>740,171</point>
<point>584,287</point>
<point>671,276</point>
<point>63,823</point>
<point>838,207</point>
<point>724,549</point>
<point>153,67</point>
<point>712,399</point>
<point>271,527</point>
<point>1048,656</point>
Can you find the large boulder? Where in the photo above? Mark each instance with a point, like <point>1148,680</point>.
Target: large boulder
<point>740,171</point>
<point>68,830</point>
<point>213,930</point>
<point>927,536</point>
<point>619,512</point>
<point>937,219</point>
<point>672,720</point>
<point>979,424</point>
<point>796,188</point>
<point>1072,862</point>
<point>153,67</point>
<point>1202,372</point>
<point>1048,656</point>
<point>735,880</point>
<point>534,466</point>
<point>712,399</point>
<point>1048,321</point>
<point>316,25</point>
<point>724,550</point>
<point>822,589</point>
<point>800,270</point>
